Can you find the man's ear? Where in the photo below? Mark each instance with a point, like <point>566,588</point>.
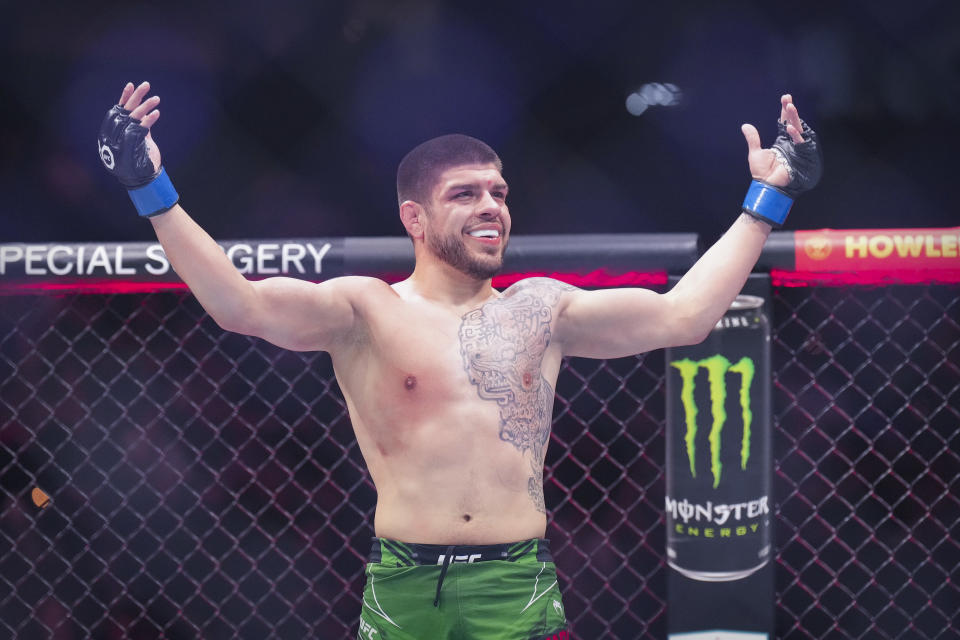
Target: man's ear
<point>411,215</point>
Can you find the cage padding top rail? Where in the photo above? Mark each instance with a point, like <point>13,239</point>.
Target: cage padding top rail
<point>823,257</point>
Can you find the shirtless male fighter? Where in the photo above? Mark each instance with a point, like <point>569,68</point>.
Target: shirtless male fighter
<point>449,382</point>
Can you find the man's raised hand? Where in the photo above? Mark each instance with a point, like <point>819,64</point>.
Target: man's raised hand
<point>794,160</point>
<point>793,164</point>
<point>128,152</point>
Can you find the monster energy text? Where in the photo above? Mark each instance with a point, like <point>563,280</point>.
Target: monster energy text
<point>718,514</point>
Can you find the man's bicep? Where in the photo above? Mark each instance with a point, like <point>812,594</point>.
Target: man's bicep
<point>614,323</point>
<point>306,316</point>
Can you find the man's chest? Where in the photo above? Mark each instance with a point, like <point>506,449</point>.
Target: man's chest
<point>497,351</point>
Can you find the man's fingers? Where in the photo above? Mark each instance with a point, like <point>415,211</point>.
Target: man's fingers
<point>785,99</point>
<point>148,105</point>
<point>793,116</point>
<point>752,136</point>
<point>794,124</point>
<point>125,95</point>
<point>150,119</point>
<point>790,117</point>
<point>794,134</point>
<point>134,100</point>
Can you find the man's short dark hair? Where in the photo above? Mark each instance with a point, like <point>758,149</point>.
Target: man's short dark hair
<point>421,168</point>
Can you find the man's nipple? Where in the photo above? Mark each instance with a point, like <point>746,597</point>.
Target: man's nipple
<point>410,382</point>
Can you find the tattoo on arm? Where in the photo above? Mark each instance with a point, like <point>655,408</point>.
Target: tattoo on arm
<point>502,345</point>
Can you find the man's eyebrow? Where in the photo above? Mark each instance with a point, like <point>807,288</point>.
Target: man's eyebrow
<point>500,186</point>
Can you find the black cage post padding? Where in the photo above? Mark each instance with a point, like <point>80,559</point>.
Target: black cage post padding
<point>206,484</point>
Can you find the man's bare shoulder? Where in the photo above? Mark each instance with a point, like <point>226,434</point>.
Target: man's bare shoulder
<point>361,288</point>
<point>550,289</point>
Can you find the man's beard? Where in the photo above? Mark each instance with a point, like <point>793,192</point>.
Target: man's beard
<point>454,252</point>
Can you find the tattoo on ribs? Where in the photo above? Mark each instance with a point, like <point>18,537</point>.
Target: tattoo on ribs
<point>502,345</point>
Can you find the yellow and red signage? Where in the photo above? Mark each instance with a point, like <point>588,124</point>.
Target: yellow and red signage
<point>878,256</point>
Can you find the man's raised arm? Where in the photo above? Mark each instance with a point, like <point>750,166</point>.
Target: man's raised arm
<point>619,322</point>
<point>290,313</point>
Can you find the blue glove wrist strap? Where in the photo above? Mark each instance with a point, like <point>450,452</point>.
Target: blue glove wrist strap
<point>767,203</point>
<point>157,196</point>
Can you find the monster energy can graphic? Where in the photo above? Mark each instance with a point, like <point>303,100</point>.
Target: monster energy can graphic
<point>718,448</point>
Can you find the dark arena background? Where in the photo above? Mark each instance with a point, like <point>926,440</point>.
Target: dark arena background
<point>161,478</point>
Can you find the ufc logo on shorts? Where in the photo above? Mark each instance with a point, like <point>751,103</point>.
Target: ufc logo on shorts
<point>471,558</point>
<point>366,631</point>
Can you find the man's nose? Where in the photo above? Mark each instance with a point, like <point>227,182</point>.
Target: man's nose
<point>489,205</point>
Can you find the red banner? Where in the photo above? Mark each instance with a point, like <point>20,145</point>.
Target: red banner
<point>879,256</point>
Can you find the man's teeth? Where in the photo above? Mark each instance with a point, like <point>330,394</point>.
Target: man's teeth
<point>485,233</point>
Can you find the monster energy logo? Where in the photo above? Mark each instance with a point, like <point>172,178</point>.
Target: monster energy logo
<point>717,368</point>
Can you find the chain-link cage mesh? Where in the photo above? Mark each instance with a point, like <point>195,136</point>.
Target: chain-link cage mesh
<point>205,484</point>
<point>867,449</point>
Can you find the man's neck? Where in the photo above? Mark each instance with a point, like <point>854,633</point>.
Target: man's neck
<point>439,282</point>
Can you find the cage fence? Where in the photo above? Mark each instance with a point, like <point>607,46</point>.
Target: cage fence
<point>164,478</point>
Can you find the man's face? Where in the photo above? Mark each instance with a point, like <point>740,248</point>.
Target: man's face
<point>468,220</point>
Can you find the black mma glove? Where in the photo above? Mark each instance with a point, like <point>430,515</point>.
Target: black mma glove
<point>123,150</point>
<point>804,164</point>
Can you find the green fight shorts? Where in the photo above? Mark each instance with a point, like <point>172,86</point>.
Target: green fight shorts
<point>476,592</point>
